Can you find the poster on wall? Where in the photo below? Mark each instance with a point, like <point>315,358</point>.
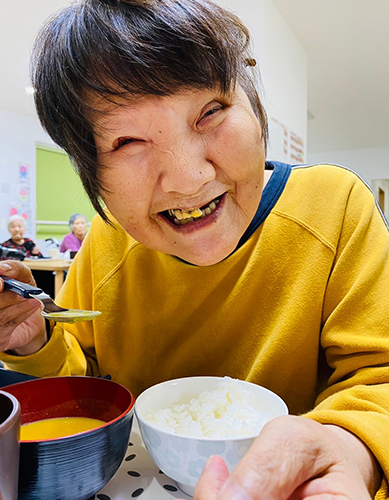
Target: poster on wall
<point>278,141</point>
<point>16,195</point>
<point>284,145</point>
<point>296,148</point>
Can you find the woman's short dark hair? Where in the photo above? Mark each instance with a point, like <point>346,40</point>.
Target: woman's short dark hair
<point>132,47</point>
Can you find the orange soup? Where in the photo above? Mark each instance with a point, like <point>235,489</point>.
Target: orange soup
<point>53,428</point>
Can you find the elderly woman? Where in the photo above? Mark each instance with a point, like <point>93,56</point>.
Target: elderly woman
<point>17,228</point>
<point>73,241</point>
<point>205,259</point>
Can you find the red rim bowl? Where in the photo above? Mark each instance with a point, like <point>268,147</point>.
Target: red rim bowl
<point>73,467</point>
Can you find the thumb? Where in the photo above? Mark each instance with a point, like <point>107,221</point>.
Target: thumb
<point>213,477</point>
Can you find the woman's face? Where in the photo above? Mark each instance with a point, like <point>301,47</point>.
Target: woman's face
<point>79,227</point>
<point>16,229</point>
<point>184,174</point>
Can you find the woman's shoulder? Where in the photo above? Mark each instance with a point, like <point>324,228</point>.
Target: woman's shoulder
<point>8,243</point>
<point>328,172</point>
<point>108,240</point>
<point>66,243</point>
<point>328,182</point>
<point>104,251</point>
<point>322,197</point>
<point>103,231</point>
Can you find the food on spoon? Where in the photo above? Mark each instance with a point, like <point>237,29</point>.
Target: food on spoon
<point>72,315</point>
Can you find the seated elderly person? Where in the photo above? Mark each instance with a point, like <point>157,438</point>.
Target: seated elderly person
<point>73,240</point>
<point>227,264</point>
<point>17,228</point>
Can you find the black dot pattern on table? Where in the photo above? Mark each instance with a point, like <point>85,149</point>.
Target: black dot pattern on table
<point>170,487</point>
<point>133,473</point>
<point>137,492</point>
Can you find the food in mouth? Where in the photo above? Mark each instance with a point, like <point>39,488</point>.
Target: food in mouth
<point>182,216</point>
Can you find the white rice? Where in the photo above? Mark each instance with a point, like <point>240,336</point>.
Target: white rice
<point>226,412</point>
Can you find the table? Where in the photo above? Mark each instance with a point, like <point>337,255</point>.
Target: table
<point>58,266</point>
<point>139,477</point>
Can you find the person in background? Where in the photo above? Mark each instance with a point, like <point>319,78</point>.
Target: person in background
<point>73,240</point>
<point>17,228</point>
<point>205,258</point>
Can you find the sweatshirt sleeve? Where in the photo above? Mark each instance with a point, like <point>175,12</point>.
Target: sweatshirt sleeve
<point>355,330</point>
<point>71,348</point>
<point>61,356</point>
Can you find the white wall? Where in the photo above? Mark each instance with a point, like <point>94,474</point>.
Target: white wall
<point>284,75</point>
<point>381,190</point>
<point>282,63</point>
<point>368,163</point>
<point>18,137</point>
<point>251,12</point>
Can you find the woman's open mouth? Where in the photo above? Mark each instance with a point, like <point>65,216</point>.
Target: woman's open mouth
<point>180,217</point>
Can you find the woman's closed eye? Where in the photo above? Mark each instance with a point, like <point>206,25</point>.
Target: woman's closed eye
<point>123,141</point>
<point>210,112</point>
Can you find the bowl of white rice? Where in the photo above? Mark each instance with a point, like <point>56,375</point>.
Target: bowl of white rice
<point>185,421</point>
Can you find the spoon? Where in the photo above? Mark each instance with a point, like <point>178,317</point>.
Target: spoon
<point>50,309</point>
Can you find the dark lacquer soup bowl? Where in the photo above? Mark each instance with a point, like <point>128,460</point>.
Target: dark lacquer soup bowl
<point>74,467</point>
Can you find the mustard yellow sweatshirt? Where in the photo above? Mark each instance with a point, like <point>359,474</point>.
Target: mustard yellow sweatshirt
<point>302,308</point>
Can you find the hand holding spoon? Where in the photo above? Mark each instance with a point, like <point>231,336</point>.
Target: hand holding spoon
<point>50,309</point>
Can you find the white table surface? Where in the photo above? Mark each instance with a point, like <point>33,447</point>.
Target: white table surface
<point>139,477</point>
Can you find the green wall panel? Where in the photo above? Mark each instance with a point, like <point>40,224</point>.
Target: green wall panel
<point>59,193</point>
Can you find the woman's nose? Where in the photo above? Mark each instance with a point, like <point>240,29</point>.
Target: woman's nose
<point>185,169</point>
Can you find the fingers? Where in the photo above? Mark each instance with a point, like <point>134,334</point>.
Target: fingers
<point>4,268</point>
<point>17,270</point>
<point>233,491</point>
<point>14,310</point>
<point>14,314</point>
<point>269,469</point>
<point>11,318</point>
<point>295,458</point>
<point>324,496</point>
<point>212,479</point>
<point>288,452</point>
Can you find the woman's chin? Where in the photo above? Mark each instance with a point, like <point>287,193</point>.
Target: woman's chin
<point>205,256</point>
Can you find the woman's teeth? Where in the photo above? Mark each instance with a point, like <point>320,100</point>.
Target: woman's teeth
<point>184,216</point>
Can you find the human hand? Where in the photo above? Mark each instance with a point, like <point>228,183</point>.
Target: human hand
<point>35,250</point>
<point>295,458</point>
<point>22,327</point>
<point>31,247</point>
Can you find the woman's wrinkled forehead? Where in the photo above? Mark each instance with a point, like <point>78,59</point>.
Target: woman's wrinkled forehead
<point>100,109</point>
<point>104,112</point>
